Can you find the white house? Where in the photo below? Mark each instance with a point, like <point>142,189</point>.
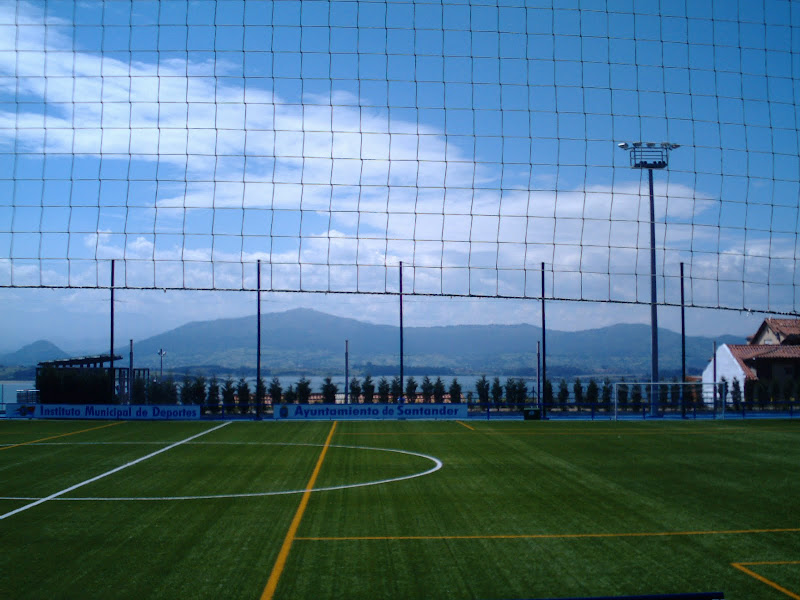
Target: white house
<point>772,354</point>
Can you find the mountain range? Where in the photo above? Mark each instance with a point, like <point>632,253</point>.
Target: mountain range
<point>304,341</point>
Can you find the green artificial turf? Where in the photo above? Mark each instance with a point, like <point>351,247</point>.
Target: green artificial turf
<point>518,509</point>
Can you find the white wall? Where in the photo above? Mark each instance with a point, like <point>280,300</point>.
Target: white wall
<point>727,367</point>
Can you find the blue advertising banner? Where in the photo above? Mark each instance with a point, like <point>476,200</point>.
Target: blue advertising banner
<point>102,411</point>
<point>369,412</point>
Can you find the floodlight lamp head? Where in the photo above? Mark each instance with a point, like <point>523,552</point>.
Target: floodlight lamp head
<point>623,145</point>
<point>637,144</point>
<point>650,144</point>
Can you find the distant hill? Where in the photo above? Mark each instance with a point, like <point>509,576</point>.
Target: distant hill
<point>33,354</point>
<point>311,342</point>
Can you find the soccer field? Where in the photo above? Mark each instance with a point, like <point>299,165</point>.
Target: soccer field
<point>443,509</point>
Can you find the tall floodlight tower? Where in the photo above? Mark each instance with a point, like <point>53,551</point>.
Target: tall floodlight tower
<point>651,155</point>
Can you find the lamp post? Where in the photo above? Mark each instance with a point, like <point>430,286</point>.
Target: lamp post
<point>651,155</point>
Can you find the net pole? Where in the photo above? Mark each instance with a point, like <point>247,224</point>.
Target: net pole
<point>258,339</point>
<point>653,300</point>
<point>402,382</point>
<point>544,346</point>
<point>111,352</point>
<point>683,346</point>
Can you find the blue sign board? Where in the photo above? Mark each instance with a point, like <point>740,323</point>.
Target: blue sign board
<point>369,412</point>
<point>103,411</point>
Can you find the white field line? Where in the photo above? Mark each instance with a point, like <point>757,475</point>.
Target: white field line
<point>107,473</point>
<point>437,464</point>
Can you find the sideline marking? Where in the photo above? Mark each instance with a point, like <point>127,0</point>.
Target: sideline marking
<point>437,464</point>
<point>52,437</point>
<point>546,536</point>
<point>107,473</point>
<point>465,425</point>
<point>280,562</point>
<point>763,579</point>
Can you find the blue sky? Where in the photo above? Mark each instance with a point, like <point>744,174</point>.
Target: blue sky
<point>332,140</point>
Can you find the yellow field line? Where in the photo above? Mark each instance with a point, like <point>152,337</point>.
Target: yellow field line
<point>52,437</point>
<point>763,579</point>
<point>465,425</point>
<point>280,562</point>
<point>545,536</point>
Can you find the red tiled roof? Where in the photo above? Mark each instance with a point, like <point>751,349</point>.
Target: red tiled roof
<point>785,327</point>
<point>748,352</point>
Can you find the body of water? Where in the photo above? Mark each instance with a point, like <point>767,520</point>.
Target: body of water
<point>8,391</point>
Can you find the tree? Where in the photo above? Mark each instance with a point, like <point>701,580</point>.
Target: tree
<point>186,390</point>
<point>516,391</point>
<point>482,387</point>
<point>427,389</point>
<point>563,392</point>
<point>736,394</point>
<point>170,389</point>
<point>622,395</point>
<point>411,390</point>
<point>497,391</point>
<point>788,390</point>
<point>212,395</point>
<point>303,390</point>
<point>775,391</point>
<point>260,395</point>
<point>606,394</point>
<point>749,391</point>
<point>368,389</point>
<point>243,391</point>
<point>438,391</point>
<point>592,392</point>
<point>547,392</point>
<point>228,394</point>
<point>663,395</point>
<point>675,393</point>
<point>290,397</point>
<point>198,395</point>
<point>636,398</point>
<point>355,390</point>
<point>396,388</point>
<point>139,391</point>
<point>275,390</point>
<point>723,391</point>
<point>455,392</point>
<point>577,391</point>
<point>383,390</point>
<point>329,390</point>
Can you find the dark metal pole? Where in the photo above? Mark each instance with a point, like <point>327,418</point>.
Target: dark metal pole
<point>130,377</point>
<point>683,347</point>
<point>538,382</point>
<point>258,339</point>
<point>347,372</point>
<point>714,376</point>
<point>653,307</point>
<point>111,354</point>
<point>544,345</point>
<point>402,382</point>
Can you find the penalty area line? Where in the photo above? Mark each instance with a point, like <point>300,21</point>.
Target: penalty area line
<point>741,567</point>
<point>107,473</point>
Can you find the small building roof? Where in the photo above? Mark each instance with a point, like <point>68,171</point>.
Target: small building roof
<point>745,354</point>
<point>81,361</point>
<point>786,330</point>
